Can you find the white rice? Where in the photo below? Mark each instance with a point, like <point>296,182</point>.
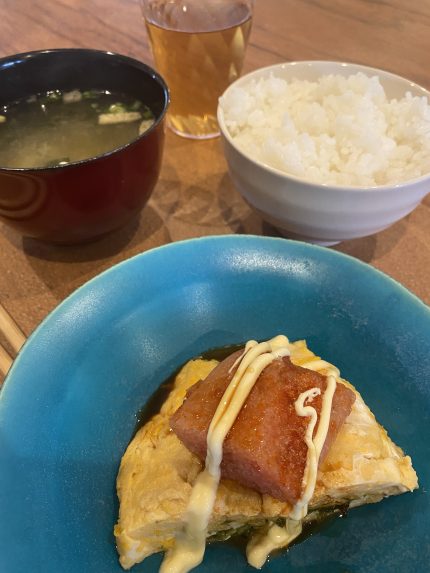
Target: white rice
<point>337,130</point>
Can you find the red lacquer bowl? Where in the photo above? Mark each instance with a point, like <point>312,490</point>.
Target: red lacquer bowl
<point>85,200</point>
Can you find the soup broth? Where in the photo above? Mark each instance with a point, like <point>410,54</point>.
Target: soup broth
<point>59,128</point>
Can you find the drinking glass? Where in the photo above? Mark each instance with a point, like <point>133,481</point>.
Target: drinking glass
<point>198,47</point>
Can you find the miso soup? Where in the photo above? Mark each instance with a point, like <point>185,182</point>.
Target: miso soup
<point>59,128</point>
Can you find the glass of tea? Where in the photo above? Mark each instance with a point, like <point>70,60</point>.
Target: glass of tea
<point>198,47</point>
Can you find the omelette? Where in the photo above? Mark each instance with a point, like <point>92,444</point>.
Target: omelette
<point>264,489</point>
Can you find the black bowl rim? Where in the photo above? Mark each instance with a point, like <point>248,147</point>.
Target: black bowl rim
<point>120,57</point>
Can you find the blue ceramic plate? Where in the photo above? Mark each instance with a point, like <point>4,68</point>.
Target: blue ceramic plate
<point>67,410</point>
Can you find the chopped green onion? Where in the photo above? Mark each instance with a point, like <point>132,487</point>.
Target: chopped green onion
<point>135,106</point>
<point>90,94</point>
<point>49,97</point>
<point>117,108</point>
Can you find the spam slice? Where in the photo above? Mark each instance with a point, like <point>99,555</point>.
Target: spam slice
<point>265,448</point>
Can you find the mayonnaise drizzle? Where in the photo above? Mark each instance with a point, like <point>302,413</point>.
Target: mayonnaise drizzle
<point>250,344</point>
<point>276,537</point>
<point>190,545</point>
<point>261,545</point>
<point>315,444</point>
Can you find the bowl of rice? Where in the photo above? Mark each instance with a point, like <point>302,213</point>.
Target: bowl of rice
<point>327,151</point>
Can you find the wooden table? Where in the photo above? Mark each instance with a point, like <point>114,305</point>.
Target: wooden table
<point>197,198</point>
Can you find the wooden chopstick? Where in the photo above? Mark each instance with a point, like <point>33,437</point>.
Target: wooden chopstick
<point>14,336</point>
<point>5,361</point>
<point>10,330</point>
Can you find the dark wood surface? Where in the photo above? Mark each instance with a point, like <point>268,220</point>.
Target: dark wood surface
<point>197,198</point>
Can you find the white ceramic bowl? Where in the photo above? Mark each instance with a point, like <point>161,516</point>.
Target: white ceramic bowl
<point>321,213</point>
